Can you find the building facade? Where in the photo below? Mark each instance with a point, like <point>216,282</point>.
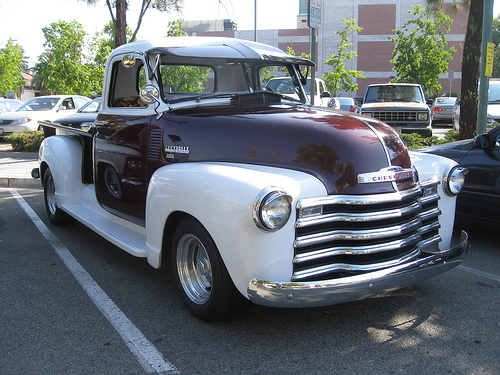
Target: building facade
<point>377,18</point>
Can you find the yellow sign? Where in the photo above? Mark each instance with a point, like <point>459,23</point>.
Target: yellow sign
<point>490,54</point>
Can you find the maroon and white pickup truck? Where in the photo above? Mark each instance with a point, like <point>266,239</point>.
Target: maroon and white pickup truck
<point>245,193</point>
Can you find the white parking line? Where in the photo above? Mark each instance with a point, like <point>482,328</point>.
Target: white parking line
<point>147,354</point>
<point>480,273</point>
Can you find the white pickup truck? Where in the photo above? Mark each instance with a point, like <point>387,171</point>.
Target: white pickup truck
<point>247,194</point>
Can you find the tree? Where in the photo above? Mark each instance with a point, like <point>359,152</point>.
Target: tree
<point>340,79</point>
<point>496,41</point>
<point>419,54</point>
<point>11,66</point>
<point>63,67</point>
<point>470,64</point>
<point>119,15</point>
<point>183,78</point>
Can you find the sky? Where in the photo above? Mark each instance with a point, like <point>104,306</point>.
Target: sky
<point>23,20</point>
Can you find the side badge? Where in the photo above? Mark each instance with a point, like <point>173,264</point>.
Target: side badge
<point>176,149</point>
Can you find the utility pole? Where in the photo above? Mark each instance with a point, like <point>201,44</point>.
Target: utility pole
<point>255,22</point>
<point>314,8</point>
<point>484,83</point>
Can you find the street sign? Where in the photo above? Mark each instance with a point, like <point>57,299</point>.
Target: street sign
<point>490,55</point>
<point>314,9</point>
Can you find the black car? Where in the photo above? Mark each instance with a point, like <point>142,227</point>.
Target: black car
<point>84,117</point>
<point>480,197</point>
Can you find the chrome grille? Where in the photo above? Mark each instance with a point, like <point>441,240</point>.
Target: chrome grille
<point>403,116</point>
<point>342,235</point>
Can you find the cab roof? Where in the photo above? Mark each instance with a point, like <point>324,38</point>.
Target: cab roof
<point>212,47</point>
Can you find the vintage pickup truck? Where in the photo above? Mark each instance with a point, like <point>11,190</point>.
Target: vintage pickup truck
<point>245,193</point>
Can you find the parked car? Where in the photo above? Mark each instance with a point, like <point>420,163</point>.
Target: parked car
<point>9,105</point>
<point>401,105</point>
<point>455,116</point>
<point>46,108</point>
<point>480,196</point>
<point>442,109</point>
<point>493,111</point>
<point>347,104</point>
<point>83,118</point>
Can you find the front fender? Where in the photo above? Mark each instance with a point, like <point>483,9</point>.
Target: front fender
<point>63,155</point>
<point>221,197</point>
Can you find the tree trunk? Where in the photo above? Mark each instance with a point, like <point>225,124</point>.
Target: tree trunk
<point>121,23</point>
<point>470,71</point>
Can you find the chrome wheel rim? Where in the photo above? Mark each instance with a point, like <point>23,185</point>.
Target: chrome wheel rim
<point>194,269</point>
<point>50,195</point>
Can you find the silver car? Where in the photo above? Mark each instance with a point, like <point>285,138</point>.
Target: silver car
<point>442,109</point>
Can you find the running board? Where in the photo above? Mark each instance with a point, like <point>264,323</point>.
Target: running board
<point>126,235</point>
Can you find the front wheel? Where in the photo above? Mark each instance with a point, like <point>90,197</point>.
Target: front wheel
<point>56,215</point>
<point>205,285</point>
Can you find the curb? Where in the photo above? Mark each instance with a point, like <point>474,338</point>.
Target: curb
<point>20,183</point>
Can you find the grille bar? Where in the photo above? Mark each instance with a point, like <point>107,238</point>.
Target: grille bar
<point>336,267</point>
<point>358,250</point>
<point>369,234</point>
<point>357,217</point>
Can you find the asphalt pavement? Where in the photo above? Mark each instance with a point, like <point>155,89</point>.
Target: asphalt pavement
<point>15,168</point>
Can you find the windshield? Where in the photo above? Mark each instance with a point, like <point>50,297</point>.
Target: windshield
<point>446,100</point>
<point>193,78</point>
<point>39,104</point>
<point>396,93</point>
<point>91,107</point>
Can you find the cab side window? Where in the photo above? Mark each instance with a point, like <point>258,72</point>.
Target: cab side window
<point>125,85</point>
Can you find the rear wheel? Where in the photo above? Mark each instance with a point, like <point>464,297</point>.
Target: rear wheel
<point>56,215</point>
<point>205,285</point>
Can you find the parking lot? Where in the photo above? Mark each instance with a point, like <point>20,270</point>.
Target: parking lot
<point>53,324</point>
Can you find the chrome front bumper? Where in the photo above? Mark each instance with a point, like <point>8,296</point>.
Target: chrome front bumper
<point>331,292</point>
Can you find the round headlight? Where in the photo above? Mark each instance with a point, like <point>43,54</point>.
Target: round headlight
<point>272,209</point>
<point>455,179</point>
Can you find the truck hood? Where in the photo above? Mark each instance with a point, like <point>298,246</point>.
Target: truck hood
<point>389,106</point>
<point>336,148</point>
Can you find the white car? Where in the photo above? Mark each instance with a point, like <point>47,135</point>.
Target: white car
<point>43,108</point>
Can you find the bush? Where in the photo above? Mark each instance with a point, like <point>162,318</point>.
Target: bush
<point>28,141</point>
<point>415,141</point>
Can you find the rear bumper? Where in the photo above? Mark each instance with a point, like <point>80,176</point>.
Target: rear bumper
<point>331,292</point>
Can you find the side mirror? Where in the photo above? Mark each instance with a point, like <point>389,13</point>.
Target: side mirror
<point>325,94</point>
<point>128,62</point>
<point>149,94</point>
<point>482,140</point>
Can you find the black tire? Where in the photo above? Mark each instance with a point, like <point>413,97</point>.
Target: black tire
<point>112,182</point>
<point>200,274</point>
<point>55,214</point>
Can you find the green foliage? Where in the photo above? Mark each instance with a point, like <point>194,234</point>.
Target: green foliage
<point>175,28</point>
<point>62,67</point>
<point>27,141</point>
<point>340,79</point>
<point>183,78</point>
<point>496,40</point>
<point>11,66</point>
<point>415,141</point>
<point>419,54</point>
